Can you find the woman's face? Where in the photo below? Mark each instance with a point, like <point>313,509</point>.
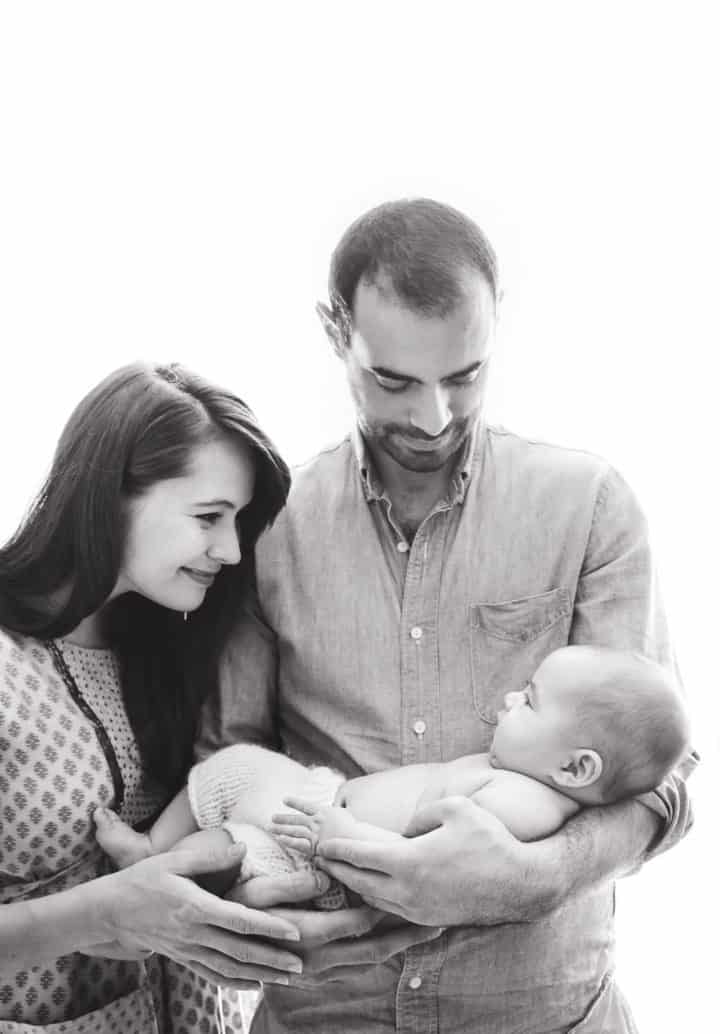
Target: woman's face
<point>182,530</point>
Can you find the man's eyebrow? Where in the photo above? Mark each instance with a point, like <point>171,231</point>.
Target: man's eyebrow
<point>393,375</point>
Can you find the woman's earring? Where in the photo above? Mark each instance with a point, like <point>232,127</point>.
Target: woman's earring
<point>184,615</point>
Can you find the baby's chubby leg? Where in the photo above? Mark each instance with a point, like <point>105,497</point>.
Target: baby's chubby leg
<point>125,845</point>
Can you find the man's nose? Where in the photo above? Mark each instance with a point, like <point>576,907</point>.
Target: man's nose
<point>432,412</point>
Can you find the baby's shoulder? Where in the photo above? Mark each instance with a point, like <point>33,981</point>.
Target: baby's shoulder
<point>531,791</point>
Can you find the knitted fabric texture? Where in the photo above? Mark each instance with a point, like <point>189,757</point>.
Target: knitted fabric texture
<point>237,788</point>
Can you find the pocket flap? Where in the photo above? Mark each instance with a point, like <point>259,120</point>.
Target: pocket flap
<point>522,620</point>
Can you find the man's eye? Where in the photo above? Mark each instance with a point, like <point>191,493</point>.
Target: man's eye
<point>391,385</point>
<point>463,382</point>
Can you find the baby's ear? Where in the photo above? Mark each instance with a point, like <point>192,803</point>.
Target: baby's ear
<point>582,768</point>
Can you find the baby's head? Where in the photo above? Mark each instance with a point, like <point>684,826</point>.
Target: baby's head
<point>598,724</point>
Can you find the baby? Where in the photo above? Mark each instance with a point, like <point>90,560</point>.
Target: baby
<point>593,726</point>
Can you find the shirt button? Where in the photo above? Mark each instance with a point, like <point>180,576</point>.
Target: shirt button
<point>402,547</point>
<point>414,983</point>
<point>416,632</point>
<point>419,727</point>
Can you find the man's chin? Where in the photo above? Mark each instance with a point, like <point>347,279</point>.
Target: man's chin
<point>421,461</point>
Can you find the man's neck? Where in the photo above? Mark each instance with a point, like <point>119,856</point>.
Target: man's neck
<point>413,494</point>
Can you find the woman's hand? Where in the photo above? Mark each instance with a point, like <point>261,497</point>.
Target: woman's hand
<point>152,906</point>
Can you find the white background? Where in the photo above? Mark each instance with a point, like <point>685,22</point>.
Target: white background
<point>174,177</point>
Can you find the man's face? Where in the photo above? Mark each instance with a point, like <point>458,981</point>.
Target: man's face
<point>419,382</point>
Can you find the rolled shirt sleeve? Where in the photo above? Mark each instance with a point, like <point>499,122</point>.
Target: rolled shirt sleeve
<point>618,603</point>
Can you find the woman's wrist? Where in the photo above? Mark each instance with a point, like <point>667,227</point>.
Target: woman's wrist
<point>58,924</point>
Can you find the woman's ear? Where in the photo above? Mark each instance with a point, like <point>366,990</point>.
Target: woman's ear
<point>582,768</point>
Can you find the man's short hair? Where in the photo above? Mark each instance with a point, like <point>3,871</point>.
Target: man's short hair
<point>422,247</point>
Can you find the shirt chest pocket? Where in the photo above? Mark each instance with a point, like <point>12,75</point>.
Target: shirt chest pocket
<point>509,639</point>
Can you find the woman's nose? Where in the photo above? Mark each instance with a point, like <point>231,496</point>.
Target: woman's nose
<point>226,548</point>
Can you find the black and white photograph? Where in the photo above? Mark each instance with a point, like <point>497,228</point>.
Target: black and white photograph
<point>358,535</point>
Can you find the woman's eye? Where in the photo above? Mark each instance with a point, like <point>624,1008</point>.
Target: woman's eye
<point>209,518</point>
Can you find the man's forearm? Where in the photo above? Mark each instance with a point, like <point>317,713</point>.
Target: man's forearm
<point>596,845</point>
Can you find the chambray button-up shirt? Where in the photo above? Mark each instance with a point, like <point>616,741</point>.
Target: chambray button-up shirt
<point>365,652</point>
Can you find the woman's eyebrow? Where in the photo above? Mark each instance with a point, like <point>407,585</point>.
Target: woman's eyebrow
<point>218,502</point>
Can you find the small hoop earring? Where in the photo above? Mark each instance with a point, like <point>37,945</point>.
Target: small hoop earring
<point>184,615</point>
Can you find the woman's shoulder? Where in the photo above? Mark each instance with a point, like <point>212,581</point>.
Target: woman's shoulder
<point>12,642</point>
<point>21,652</point>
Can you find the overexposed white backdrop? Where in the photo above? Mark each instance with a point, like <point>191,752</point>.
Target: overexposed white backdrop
<point>173,177</point>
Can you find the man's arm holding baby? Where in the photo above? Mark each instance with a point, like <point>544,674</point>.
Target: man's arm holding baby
<point>459,864</point>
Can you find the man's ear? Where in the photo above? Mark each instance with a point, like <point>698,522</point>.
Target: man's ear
<point>582,768</point>
<point>332,329</point>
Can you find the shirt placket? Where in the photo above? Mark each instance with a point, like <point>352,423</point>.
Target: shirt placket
<point>420,715</point>
<point>421,737</point>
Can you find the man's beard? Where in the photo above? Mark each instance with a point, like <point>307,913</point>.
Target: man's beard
<point>397,442</point>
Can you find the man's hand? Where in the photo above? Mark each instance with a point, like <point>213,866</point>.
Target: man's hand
<point>333,945</point>
<point>456,864</point>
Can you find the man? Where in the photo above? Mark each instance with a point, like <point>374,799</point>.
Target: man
<point>422,568</point>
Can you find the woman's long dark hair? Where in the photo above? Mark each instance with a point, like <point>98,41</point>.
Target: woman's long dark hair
<point>137,427</point>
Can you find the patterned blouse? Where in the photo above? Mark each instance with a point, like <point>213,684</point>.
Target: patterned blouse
<point>66,747</point>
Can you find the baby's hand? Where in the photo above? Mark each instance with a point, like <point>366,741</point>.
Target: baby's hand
<point>299,829</point>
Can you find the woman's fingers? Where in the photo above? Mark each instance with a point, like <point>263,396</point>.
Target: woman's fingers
<point>215,952</point>
<point>149,906</point>
<point>239,919</point>
<point>247,977</point>
<point>227,951</point>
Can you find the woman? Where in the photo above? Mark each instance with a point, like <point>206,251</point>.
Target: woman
<point>117,594</point>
